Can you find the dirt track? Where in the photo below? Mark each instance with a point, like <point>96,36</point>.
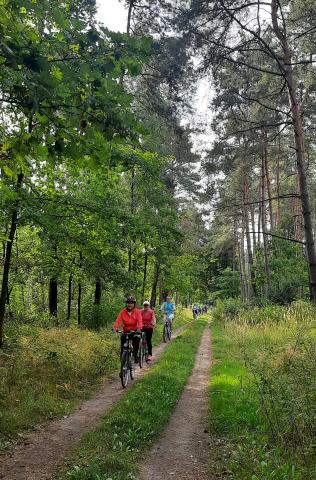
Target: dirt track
<point>36,455</point>
<point>183,450</point>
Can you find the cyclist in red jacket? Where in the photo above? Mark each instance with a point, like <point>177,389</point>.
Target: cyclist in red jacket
<point>131,319</point>
<point>149,321</point>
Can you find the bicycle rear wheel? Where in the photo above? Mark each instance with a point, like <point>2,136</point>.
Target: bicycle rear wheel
<point>140,354</point>
<point>124,370</point>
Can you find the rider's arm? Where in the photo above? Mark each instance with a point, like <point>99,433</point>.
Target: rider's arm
<point>139,320</point>
<point>118,320</point>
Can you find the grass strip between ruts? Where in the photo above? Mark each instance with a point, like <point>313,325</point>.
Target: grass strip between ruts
<point>125,434</point>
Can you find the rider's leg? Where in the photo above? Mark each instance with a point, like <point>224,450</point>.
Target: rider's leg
<point>123,339</point>
<point>136,341</point>
<point>149,334</point>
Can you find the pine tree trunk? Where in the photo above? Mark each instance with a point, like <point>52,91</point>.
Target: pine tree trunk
<point>260,208</point>
<point>278,213</point>
<point>264,225</point>
<point>297,213</point>
<point>253,227</point>
<point>252,285</point>
<point>299,147</point>
<point>267,177</point>
<point>243,278</point>
<point>7,260</point>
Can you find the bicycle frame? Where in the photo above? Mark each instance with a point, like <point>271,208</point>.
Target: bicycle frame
<point>127,354</point>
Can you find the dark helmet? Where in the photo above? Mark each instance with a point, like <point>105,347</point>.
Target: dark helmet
<point>131,299</point>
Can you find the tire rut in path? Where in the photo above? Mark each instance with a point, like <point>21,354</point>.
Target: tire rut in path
<point>182,452</point>
<point>37,454</point>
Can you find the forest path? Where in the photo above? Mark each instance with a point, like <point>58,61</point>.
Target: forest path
<point>182,452</point>
<point>35,456</point>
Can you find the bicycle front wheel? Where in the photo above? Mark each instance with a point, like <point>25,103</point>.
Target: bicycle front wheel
<point>124,370</point>
<point>145,352</point>
<point>165,333</point>
<point>169,331</point>
<point>131,365</point>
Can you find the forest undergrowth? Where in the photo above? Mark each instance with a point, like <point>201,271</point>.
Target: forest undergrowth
<point>263,396</point>
<point>46,372</point>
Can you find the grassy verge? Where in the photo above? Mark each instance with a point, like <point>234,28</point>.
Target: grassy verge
<point>114,449</point>
<point>45,373</point>
<point>262,397</point>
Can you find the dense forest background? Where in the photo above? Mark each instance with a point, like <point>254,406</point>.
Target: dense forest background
<point>108,183</point>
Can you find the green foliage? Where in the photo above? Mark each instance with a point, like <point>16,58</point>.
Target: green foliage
<point>263,392</point>
<point>227,309</point>
<point>289,277</point>
<point>228,284</point>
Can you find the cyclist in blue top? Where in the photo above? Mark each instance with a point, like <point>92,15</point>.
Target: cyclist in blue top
<point>168,308</point>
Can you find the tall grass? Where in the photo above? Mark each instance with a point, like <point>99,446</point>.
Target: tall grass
<point>267,390</point>
<point>45,373</point>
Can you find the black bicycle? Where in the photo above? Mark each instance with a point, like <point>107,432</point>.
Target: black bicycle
<point>143,351</point>
<point>127,359</point>
<point>167,329</point>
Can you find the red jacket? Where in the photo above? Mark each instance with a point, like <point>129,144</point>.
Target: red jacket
<point>148,317</point>
<point>131,321</point>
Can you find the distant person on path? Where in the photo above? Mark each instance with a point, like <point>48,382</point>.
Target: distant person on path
<point>195,311</point>
<point>169,308</point>
<point>149,321</point>
<point>131,318</point>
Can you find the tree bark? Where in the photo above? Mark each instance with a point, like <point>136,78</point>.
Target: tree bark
<point>129,17</point>
<point>267,176</point>
<point>79,292</point>
<point>145,274</point>
<point>69,299</point>
<point>98,291</point>
<point>243,279</point>
<point>299,146</point>
<point>264,223</point>
<point>53,297</point>
<point>7,259</point>
<point>278,212</point>
<point>79,302</point>
<point>297,213</point>
<point>153,297</point>
<point>252,285</point>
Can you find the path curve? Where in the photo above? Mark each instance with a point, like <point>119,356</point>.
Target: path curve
<point>37,454</point>
<point>182,452</point>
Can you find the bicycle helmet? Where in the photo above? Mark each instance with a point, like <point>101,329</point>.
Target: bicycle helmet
<point>146,302</point>
<point>131,299</point>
